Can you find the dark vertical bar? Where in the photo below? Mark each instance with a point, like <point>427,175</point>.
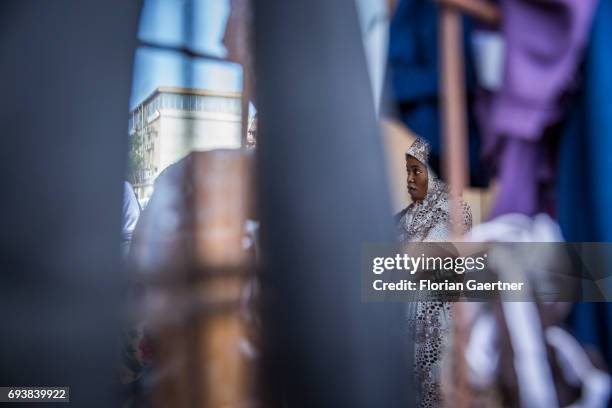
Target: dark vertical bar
<point>322,191</point>
<point>65,82</point>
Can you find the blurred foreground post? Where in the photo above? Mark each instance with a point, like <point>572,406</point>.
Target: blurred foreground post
<point>65,77</point>
<point>189,246</point>
<point>322,195</point>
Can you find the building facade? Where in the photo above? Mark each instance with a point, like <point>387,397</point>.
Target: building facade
<point>171,123</point>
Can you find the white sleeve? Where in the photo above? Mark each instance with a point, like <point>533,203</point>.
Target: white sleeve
<point>131,212</point>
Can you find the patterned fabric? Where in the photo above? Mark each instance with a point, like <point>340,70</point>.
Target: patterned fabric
<point>432,329</point>
<point>429,221</point>
<point>419,149</point>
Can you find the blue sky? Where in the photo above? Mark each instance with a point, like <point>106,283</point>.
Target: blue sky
<point>162,23</point>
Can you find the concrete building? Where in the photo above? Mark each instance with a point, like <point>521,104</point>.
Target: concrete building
<point>172,122</point>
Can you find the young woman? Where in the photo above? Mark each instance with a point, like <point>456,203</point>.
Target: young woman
<point>427,219</point>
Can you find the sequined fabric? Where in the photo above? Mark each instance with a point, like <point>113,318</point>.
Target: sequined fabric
<point>428,220</point>
<point>429,321</point>
<point>419,149</point>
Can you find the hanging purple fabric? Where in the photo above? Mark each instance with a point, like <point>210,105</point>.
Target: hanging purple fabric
<point>544,45</point>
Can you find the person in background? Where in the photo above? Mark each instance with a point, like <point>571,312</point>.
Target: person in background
<point>131,212</point>
<point>136,347</point>
<point>251,140</point>
<point>427,219</point>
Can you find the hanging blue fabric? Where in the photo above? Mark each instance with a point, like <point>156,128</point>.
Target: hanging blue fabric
<point>413,78</point>
<point>585,166</point>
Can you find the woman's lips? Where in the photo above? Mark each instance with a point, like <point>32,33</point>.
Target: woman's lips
<point>412,189</point>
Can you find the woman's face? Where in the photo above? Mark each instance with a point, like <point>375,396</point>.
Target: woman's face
<point>416,178</point>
